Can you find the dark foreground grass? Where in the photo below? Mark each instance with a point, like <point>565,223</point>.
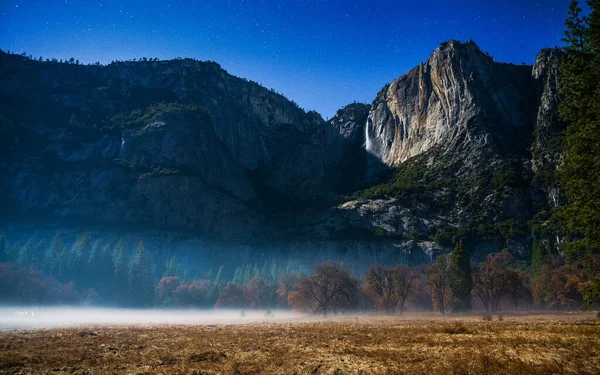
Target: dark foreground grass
<point>567,344</point>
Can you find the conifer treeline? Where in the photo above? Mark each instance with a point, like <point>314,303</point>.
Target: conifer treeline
<point>106,272</point>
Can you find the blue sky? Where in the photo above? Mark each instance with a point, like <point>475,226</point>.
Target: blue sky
<point>323,54</point>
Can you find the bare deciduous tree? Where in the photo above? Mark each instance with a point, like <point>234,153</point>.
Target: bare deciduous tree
<point>438,277</point>
<point>330,289</point>
<point>390,287</point>
<point>493,279</point>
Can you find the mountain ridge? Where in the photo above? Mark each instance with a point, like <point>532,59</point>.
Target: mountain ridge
<point>259,154</point>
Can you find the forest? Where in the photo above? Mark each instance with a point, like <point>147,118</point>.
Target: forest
<point>93,273</point>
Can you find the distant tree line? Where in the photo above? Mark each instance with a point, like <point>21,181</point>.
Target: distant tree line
<point>74,61</point>
<point>91,271</point>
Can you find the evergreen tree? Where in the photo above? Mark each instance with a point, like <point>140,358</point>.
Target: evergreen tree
<point>220,277</point>
<point>247,273</point>
<point>26,253</point>
<point>461,281</point>
<point>78,256</point>
<point>61,264</point>
<point>218,283</point>
<point>171,268</point>
<point>38,255</point>
<point>3,248</point>
<point>237,276</point>
<point>95,268</point>
<point>100,267</point>
<point>52,254</point>
<point>120,271</point>
<point>580,108</point>
<point>539,254</point>
<point>141,280</point>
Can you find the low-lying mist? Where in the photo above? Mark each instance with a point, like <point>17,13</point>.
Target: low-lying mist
<point>53,317</point>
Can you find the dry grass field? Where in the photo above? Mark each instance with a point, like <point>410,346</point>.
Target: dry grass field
<point>556,344</point>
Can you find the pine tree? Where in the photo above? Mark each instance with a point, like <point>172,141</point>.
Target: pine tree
<point>575,34</point>
<point>140,276</point>
<point>78,256</point>
<point>101,269</point>
<point>52,254</point>
<point>461,281</point>
<point>580,109</point>
<point>120,271</point>
<point>539,254</point>
<point>94,264</point>
<point>26,253</point>
<point>171,268</point>
<point>220,278</point>
<point>37,261</point>
<point>3,248</point>
<point>237,276</point>
<point>218,283</point>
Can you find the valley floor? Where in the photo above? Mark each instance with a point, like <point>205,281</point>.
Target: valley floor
<point>424,344</point>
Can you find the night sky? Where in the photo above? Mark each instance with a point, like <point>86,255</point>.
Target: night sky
<point>322,54</point>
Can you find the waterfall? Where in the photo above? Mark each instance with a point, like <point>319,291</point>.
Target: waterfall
<point>368,143</point>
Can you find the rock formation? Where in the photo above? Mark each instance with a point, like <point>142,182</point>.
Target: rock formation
<point>451,148</point>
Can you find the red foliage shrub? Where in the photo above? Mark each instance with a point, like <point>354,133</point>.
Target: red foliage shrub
<point>257,293</point>
<point>231,296</point>
<point>165,288</point>
<point>29,286</point>
<point>198,292</point>
<point>181,295</point>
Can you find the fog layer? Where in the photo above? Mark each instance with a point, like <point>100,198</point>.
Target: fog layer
<point>52,317</point>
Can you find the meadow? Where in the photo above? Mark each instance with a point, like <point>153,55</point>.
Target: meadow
<point>411,344</point>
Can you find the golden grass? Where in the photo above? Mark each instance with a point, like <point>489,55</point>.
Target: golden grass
<point>567,344</point>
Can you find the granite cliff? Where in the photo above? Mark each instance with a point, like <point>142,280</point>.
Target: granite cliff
<point>454,148</point>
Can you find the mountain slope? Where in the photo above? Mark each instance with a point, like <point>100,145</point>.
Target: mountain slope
<point>175,144</point>
<point>464,137</point>
<point>455,148</point>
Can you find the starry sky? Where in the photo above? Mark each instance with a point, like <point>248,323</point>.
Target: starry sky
<point>323,54</point>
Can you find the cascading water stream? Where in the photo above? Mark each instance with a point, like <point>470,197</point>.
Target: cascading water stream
<point>368,142</point>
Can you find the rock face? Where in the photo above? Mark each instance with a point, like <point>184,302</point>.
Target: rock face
<point>458,97</point>
<point>470,141</point>
<point>457,147</point>
<point>185,140</point>
<point>176,144</point>
<point>546,148</point>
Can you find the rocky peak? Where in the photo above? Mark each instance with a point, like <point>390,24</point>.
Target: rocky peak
<point>459,96</point>
<point>350,122</point>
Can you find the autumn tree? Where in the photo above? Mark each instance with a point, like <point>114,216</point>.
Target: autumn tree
<point>286,283</point>
<point>329,289</point>
<point>461,281</point>
<point>181,295</point>
<point>231,295</point>
<point>23,285</point>
<point>493,280</point>
<point>389,287</point>
<point>258,293</point>
<point>590,286</point>
<point>438,278</point>
<point>164,290</point>
<point>198,292</point>
<point>557,286</point>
